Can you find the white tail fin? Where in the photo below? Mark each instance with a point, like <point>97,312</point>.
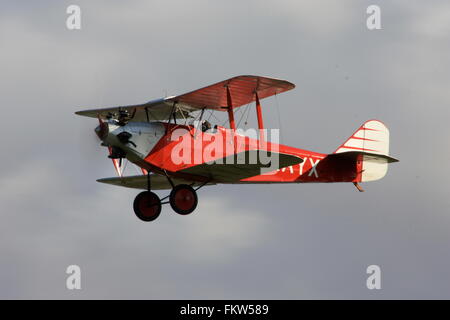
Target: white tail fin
<point>372,137</point>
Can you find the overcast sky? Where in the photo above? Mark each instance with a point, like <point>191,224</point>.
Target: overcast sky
<point>267,241</point>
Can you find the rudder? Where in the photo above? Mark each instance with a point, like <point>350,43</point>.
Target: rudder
<point>372,137</point>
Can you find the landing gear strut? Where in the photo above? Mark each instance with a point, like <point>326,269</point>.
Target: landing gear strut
<point>183,199</point>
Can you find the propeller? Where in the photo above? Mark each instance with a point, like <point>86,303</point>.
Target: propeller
<point>102,132</point>
<point>103,129</point>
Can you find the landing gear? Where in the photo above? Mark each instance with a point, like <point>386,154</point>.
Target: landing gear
<point>147,206</point>
<point>183,199</point>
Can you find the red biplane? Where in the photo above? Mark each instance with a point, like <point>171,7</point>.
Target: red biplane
<point>177,153</point>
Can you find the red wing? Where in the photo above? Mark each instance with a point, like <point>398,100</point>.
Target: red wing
<point>242,89</point>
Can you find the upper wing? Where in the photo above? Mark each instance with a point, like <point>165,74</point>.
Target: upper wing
<point>158,182</point>
<point>159,109</point>
<point>242,91</point>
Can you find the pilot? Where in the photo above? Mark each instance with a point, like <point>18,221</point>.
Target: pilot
<point>206,125</point>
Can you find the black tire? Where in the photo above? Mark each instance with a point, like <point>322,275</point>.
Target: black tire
<point>183,199</point>
<point>147,206</point>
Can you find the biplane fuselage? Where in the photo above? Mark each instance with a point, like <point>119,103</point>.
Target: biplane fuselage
<point>180,156</point>
<point>153,148</point>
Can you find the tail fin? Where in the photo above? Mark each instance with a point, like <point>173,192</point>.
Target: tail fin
<point>372,136</point>
<point>371,143</point>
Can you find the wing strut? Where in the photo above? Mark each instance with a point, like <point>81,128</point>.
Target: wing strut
<point>260,118</point>
<point>117,163</point>
<point>230,110</point>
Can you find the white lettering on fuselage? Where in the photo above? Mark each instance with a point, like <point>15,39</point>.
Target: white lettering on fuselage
<point>291,169</point>
<point>313,167</point>
<point>313,170</point>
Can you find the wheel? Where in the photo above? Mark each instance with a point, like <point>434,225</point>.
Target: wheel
<point>183,199</point>
<point>147,206</point>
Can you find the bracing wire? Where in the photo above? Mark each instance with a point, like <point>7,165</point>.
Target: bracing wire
<point>224,122</point>
<point>197,117</point>
<point>242,114</point>
<point>136,170</point>
<point>246,119</point>
<point>125,166</point>
<point>210,115</point>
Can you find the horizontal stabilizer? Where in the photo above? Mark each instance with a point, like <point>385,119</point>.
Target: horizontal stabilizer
<point>368,156</point>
